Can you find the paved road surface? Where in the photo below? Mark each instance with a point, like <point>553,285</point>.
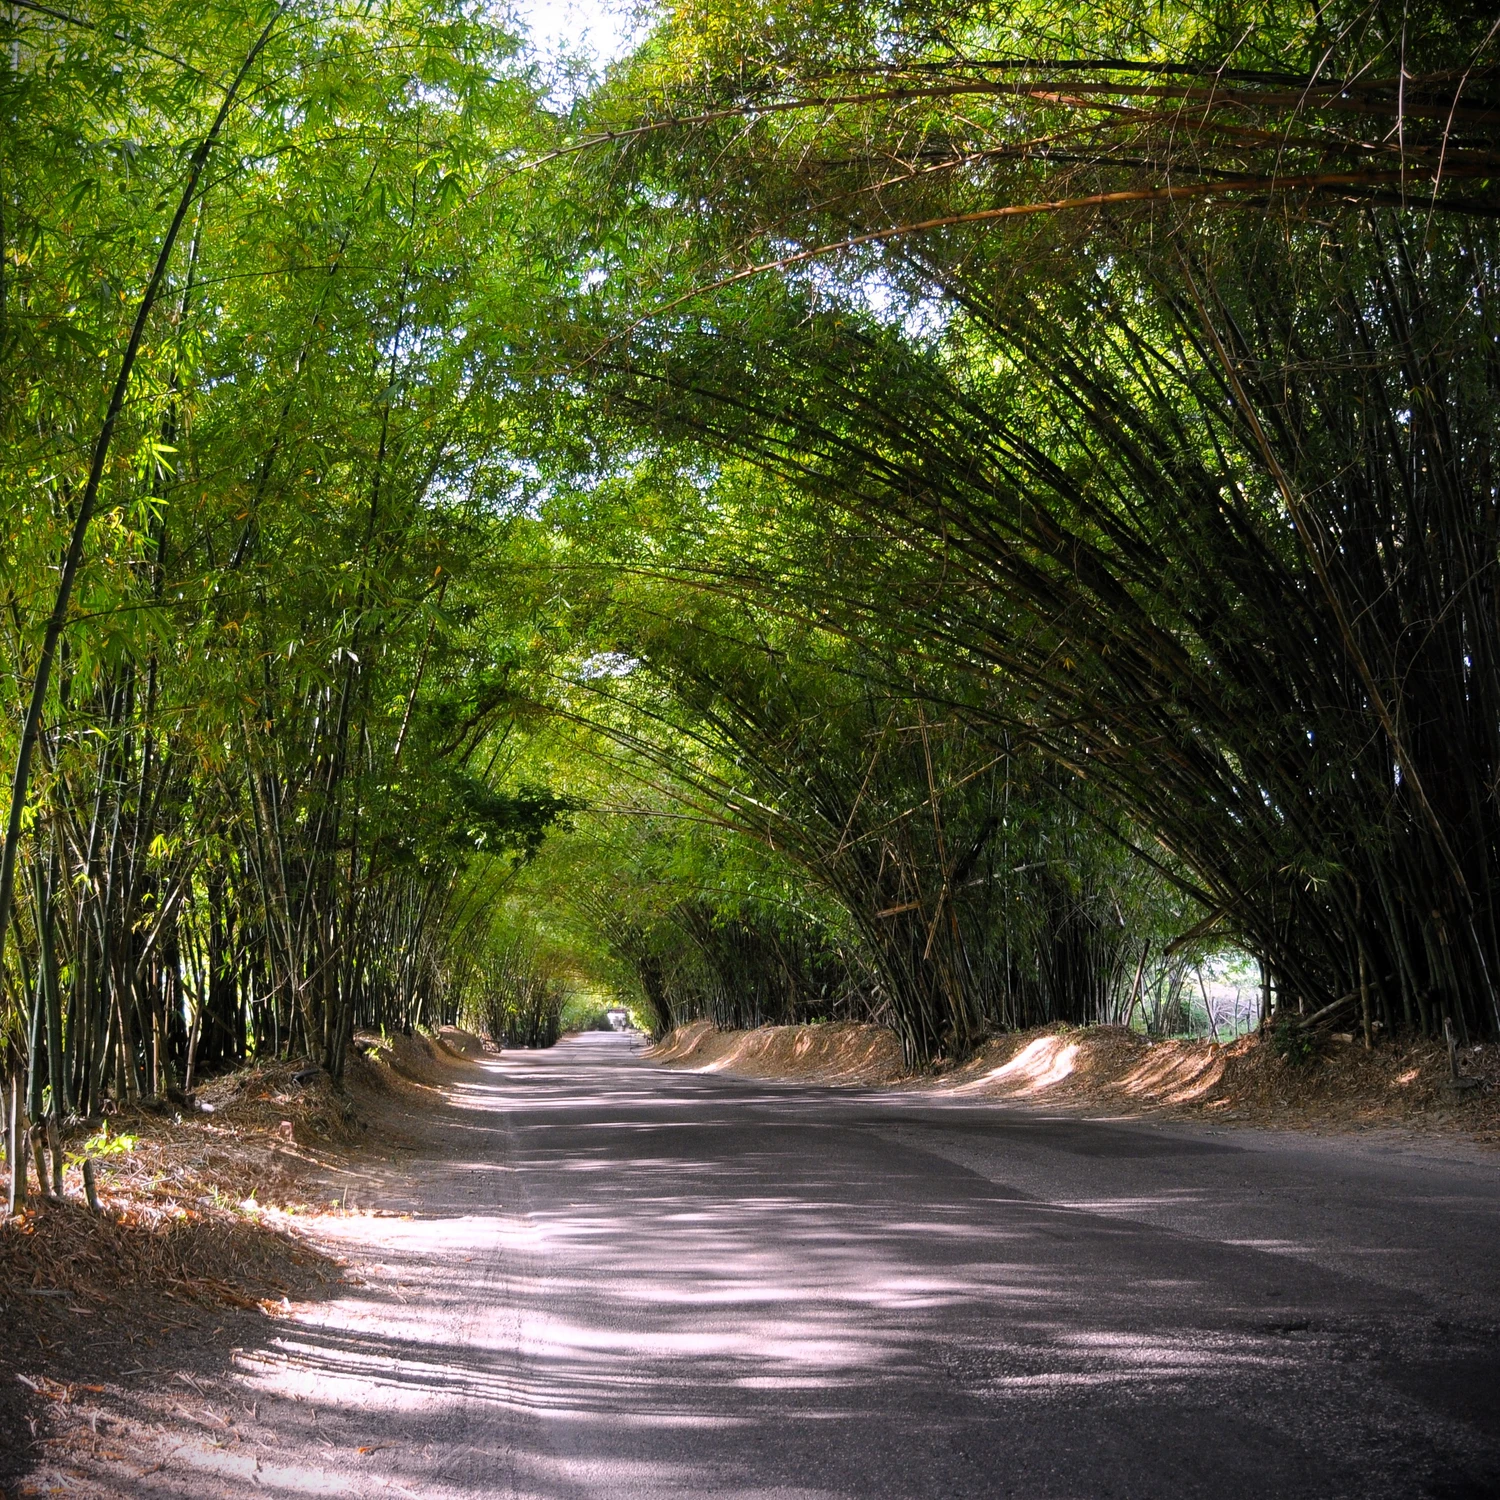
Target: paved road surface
<point>620,1281</point>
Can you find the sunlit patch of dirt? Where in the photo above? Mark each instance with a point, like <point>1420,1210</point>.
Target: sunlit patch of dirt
<point>1040,1064</point>
<point>1399,1083</point>
<point>387,1063</point>
<point>1176,1073</point>
<point>464,1045</point>
<point>834,1053</point>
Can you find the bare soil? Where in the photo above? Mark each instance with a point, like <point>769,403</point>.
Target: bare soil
<point>1401,1083</point>
<point>112,1324</point>
<point>837,1053</point>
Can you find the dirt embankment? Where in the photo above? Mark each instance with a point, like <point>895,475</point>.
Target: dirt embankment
<point>199,1240</point>
<point>1403,1083</point>
<point>831,1053</point>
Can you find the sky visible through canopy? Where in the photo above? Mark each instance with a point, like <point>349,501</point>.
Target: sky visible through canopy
<point>598,30</point>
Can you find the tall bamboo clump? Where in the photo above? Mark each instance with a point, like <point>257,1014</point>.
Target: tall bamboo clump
<point>1169,372</point>
<point>971,894</point>
<point>514,997</point>
<point>242,470</point>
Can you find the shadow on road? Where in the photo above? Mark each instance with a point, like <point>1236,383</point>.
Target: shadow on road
<point>618,1281</point>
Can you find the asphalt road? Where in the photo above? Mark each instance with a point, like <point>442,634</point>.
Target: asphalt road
<point>620,1281</point>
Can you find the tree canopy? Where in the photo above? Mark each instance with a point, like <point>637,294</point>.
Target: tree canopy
<point>932,514</point>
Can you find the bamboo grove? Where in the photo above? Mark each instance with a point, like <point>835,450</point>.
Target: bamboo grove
<point>256,791</point>
<point>1139,371</point>
<point>939,515</point>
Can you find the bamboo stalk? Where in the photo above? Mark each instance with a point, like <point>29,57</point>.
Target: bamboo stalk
<point>16,1133</point>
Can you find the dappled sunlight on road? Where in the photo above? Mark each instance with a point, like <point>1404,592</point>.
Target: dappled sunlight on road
<point>611,1280</point>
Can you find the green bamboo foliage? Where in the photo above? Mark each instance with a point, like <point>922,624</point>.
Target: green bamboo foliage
<point>252,800</point>
<point>929,514</point>
<point>1160,408</point>
<point>961,891</point>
